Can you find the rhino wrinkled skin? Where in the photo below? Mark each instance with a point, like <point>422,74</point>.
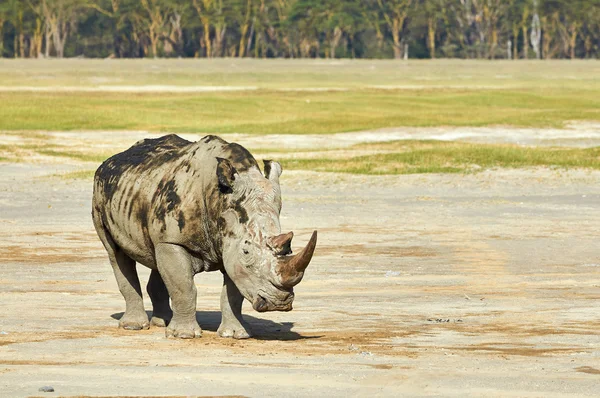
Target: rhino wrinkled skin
<point>181,208</point>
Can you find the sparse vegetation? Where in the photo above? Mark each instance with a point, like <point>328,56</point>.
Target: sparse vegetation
<point>416,157</point>
<point>425,94</point>
<point>276,112</point>
<point>76,175</point>
<point>84,157</point>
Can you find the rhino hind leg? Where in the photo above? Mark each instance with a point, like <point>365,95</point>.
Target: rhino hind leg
<point>175,268</point>
<point>232,323</point>
<point>135,318</point>
<point>161,310</point>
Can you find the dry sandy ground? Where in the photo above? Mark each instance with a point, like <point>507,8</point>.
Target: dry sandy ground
<point>484,284</point>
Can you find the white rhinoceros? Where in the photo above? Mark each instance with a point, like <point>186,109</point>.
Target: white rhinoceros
<point>181,208</point>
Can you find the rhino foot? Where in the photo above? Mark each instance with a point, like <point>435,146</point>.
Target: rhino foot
<point>134,322</point>
<point>159,322</point>
<point>161,318</point>
<point>183,330</point>
<point>236,332</point>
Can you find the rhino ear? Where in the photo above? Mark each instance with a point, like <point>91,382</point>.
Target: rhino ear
<point>225,175</point>
<point>272,170</point>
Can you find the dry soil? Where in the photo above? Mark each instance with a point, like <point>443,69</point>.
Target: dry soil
<point>481,284</point>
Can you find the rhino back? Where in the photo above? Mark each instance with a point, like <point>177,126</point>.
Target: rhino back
<point>165,190</point>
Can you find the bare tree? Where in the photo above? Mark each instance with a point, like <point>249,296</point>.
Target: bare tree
<point>536,31</point>
<point>394,13</point>
<point>60,17</point>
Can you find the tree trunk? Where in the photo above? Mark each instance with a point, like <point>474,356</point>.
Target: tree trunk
<point>154,45</point>
<point>587,45</point>
<point>207,42</point>
<point>219,40</point>
<point>573,39</point>
<point>58,43</point>
<point>15,46</point>
<point>515,47</point>
<point>397,40</point>
<point>431,37</point>
<point>525,43</point>
<point>242,49</point>
<point>244,29</point>
<point>35,48</point>
<point>546,39</point>
<point>176,36</point>
<point>494,43</point>
<point>335,40</point>
<point>1,38</point>
<point>249,45</point>
<point>48,36</point>
<point>22,45</point>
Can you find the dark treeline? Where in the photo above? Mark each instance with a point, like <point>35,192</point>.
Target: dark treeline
<point>485,29</point>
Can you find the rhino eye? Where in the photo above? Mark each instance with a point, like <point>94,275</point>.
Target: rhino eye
<point>245,251</point>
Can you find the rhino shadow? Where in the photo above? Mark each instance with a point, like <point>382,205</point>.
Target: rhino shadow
<point>262,329</point>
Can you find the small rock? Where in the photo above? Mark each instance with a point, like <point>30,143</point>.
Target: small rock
<point>46,389</point>
<point>391,273</point>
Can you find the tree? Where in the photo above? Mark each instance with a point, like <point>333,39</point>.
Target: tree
<point>301,28</point>
<point>60,17</point>
<point>394,13</point>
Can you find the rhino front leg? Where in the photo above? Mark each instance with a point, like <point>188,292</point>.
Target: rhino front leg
<point>175,268</point>
<point>161,310</point>
<point>232,323</point>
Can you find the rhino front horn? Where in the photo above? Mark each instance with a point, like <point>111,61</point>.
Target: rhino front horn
<point>292,267</point>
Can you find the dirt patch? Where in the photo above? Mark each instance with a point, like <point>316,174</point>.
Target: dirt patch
<point>37,337</point>
<point>377,250</point>
<point>382,366</point>
<point>45,255</point>
<point>517,330</point>
<point>145,396</point>
<point>525,351</point>
<point>588,370</point>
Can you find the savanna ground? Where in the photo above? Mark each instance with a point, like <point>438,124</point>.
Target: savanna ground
<point>457,205</point>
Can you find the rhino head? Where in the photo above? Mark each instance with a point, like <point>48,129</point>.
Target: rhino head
<point>256,255</point>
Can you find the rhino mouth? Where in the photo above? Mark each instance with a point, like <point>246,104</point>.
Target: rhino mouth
<point>262,304</point>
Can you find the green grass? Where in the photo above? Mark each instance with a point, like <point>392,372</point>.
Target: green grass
<point>76,175</point>
<point>426,93</point>
<point>423,157</point>
<point>22,152</point>
<point>84,157</point>
<point>418,157</point>
<point>263,112</point>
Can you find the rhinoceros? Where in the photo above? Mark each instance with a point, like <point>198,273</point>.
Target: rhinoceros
<point>181,208</point>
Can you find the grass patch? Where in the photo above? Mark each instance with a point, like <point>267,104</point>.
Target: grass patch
<point>76,175</point>
<point>84,157</point>
<point>418,157</point>
<point>301,73</point>
<point>24,152</point>
<point>413,157</point>
<point>427,93</point>
<point>276,112</point>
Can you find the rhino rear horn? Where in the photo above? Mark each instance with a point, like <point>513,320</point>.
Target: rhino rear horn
<point>281,244</point>
<point>225,175</point>
<point>291,268</point>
